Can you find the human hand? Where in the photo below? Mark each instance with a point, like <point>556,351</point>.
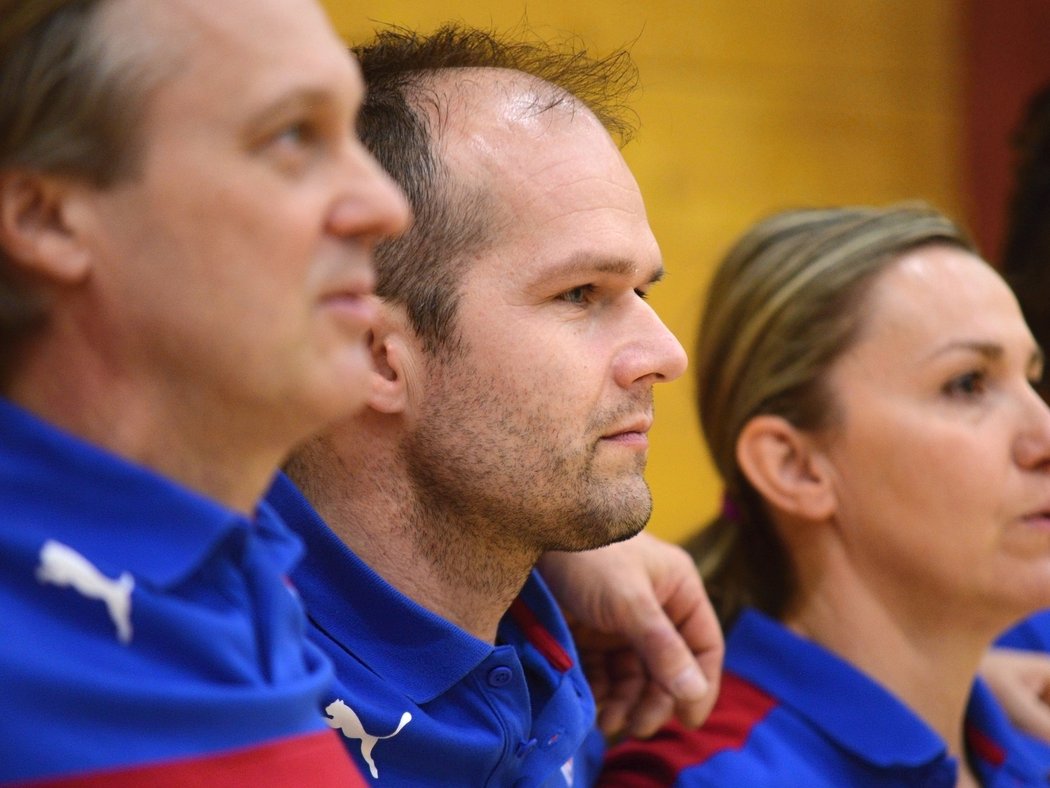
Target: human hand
<point>648,638</point>
<point>1020,681</point>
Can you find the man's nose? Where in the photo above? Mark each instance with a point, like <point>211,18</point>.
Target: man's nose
<point>653,354</point>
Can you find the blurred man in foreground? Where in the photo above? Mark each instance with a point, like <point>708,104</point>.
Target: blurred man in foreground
<point>186,227</point>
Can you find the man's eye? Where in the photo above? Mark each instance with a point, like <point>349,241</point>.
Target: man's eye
<point>298,134</point>
<point>293,146</point>
<point>577,295</point>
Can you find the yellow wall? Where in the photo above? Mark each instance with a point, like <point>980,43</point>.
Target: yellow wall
<point>747,107</point>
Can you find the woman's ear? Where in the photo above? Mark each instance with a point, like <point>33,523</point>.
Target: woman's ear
<point>39,228</point>
<point>393,346</point>
<point>786,467</point>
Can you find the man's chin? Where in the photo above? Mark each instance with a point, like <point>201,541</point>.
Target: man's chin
<point>606,525</point>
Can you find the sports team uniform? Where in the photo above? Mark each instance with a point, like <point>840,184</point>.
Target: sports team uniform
<point>1031,634</point>
<point>148,634</point>
<point>421,702</point>
<point>791,713</point>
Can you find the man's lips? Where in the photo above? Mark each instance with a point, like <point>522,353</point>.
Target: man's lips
<point>634,433</point>
<point>357,279</point>
<point>352,299</point>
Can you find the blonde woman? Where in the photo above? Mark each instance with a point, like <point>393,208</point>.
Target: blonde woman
<point>865,389</point>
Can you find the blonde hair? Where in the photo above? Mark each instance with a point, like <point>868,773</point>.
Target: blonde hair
<point>784,304</point>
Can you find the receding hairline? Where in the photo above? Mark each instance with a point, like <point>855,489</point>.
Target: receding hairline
<point>455,104</point>
<point>420,90</point>
<point>449,98</point>
<point>402,58</point>
<point>465,79</point>
<point>125,32</point>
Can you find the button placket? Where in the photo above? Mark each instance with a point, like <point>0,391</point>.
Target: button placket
<point>500,676</point>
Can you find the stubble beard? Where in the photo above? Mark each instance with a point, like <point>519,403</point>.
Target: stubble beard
<point>481,490</point>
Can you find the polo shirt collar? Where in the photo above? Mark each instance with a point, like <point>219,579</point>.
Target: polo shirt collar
<point>998,745</point>
<point>119,515</point>
<point>847,706</point>
<point>404,643</point>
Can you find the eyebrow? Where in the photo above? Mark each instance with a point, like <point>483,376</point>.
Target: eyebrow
<point>990,350</point>
<point>583,264</point>
<point>297,100</point>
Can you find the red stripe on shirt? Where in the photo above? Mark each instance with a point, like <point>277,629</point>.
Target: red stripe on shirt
<point>313,759</point>
<point>540,637</point>
<point>984,747</point>
<point>658,761</point>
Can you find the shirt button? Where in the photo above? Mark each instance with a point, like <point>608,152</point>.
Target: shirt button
<point>500,677</point>
<point>526,747</point>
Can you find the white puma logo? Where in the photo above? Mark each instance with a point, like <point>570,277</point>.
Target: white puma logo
<point>61,565</point>
<point>345,719</point>
<point>567,771</point>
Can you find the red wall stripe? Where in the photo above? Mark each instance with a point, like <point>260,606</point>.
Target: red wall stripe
<point>1007,59</point>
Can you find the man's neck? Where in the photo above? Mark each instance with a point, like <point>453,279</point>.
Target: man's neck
<point>172,431</point>
<point>466,570</point>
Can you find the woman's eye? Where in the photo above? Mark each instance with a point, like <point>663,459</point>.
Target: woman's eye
<point>969,385</point>
<point>1037,379</point>
<point>642,294</point>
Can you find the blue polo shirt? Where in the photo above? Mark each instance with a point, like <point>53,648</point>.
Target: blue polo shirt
<point>422,702</point>
<point>1031,634</point>
<point>147,631</point>
<point>791,713</point>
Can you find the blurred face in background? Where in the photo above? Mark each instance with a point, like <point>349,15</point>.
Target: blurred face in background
<point>941,458</point>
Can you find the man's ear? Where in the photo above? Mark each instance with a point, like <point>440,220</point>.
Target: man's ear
<point>38,226</point>
<point>787,467</point>
<point>394,361</point>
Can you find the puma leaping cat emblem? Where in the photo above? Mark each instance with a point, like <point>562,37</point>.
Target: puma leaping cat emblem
<point>61,565</point>
<point>342,717</point>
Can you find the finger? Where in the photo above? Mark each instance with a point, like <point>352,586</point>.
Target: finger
<point>674,666</point>
<point>598,680</point>
<point>628,682</point>
<point>612,717</point>
<point>703,636</point>
<point>678,636</point>
<point>1020,681</point>
<point>651,713</point>
<point>596,669</point>
<point>1032,716</point>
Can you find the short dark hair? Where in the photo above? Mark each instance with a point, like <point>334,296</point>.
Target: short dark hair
<point>1026,251</point>
<point>422,269</point>
<point>68,105</point>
